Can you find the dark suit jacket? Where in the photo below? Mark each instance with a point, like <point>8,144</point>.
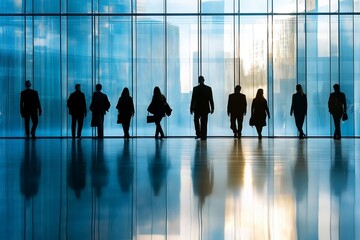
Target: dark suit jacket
<point>99,105</point>
<point>299,104</point>
<point>337,103</point>
<point>29,102</point>
<point>202,100</point>
<point>236,104</point>
<point>77,104</point>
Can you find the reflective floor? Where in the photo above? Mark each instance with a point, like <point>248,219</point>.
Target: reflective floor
<point>180,188</point>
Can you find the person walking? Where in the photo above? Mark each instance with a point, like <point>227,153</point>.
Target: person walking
<point>236,110</point>
<point>77,109</point>
<point>201,105</point>
<point>99,106</point>
<point>125,107</point>
<point>337,108</point>
<point>299,108</point>
<point>259,110</point>
<point>157,107</point>
<point>30,107</point>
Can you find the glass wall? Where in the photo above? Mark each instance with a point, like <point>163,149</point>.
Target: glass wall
<point>141,44</point>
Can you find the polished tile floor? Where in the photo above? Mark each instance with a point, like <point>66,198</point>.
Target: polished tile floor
<point>180,188</point>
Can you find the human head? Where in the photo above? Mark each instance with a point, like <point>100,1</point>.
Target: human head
<point>125,92</point>
<point>237,88</point>
<point>336,87</point>
<point>77,86</point>
<point>98,87</point>
<point>298,88</point>
<point>157,91</point>
<point>201,79</point>
<point>27,84</point>
<point>260,93</point>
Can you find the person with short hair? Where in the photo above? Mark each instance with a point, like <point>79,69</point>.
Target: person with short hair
<point>337,108</point>
<point>99,106</point>
<point>299,108</point>
<point>30,107</point>
<point>77,109</point>
<point>201,105</point>
<point>236,110</point>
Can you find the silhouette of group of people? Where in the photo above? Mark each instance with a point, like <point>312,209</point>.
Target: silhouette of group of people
<point>201,105</point>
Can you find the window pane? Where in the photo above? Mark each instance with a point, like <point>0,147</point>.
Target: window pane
<point>45,6</point>
<point>11,75</point>
<point>184,6</point>
<point>115,66</point>
<point>182,72</point>
<point>11,6</point>
<point>47,74</point>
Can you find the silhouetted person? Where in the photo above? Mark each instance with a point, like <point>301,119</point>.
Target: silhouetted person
<point>99,170</point>
<point>125,168</point>
<point>99,106</point>
<point>77,109</point>
<point>30,171</point>
<point>158,168</point>
<point>30,108</point>
<point>236,109</point>
<point>299,108</point>
<point>157,107</point>
<point>259,110</point>
<point>125,107</point>
<point>201,105</point>
<point>337,107</point>
<point>77,169</point>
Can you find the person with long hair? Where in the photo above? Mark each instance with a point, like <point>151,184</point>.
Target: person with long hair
<point>157,107</point>
<point>299,108</point>
<point>259,110</point>
<point>125,107</point>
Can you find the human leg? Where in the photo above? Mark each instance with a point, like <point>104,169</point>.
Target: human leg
<point>197,125</point>
<point>204,121</point>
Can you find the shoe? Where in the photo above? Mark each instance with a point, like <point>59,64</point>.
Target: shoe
<point>235,135</point>
<point>197,137</point>
<point>203,138</point>
<point>260,136</point>
<point>33,136</point>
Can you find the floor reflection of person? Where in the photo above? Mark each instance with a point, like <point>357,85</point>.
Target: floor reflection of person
<point>158,168</point>
<point>30,170</point>
<point>77,169</point>
<point>99,170</point>
<point>125,168</point>
<point>236,167</point>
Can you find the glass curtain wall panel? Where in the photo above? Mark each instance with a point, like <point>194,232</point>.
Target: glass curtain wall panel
<point>284,74</point>
<point>115,67</point>
<point>150,69</point>
<point>79,65</point>
<point>356,75</point>
<point>182,72</point>
<point>77,6</point>
<point>184,6</point>
<point>12,73</point>
<point>11,6</point>
<point>115,6</point>
<point>150,6</point>
<point>47,79</point>
<point>252,65</point>
<point>213,67</point>
<point>319,74</point>
<point>346,69</point>
<point>45,6</point>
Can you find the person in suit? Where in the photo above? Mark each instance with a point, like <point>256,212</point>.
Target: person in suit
<point>157,107</point>
<point>236,109</point>
<point>259,110</point>
<point>99,106</point>
<point>299,108</point>
<point>30,108</point>
<point>201,105</point>
<point>77,109</point>
<point>125,107</point>
<point>337,107</point>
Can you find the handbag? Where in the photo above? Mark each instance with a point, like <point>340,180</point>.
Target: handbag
<point>252,121</point>
<point>167,109</point>
<point>345,117</point>
<point>150,118</point>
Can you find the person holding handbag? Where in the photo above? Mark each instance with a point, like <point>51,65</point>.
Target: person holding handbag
<point>157,107</point>
<point>337,108</point>
<point>125,107</point>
